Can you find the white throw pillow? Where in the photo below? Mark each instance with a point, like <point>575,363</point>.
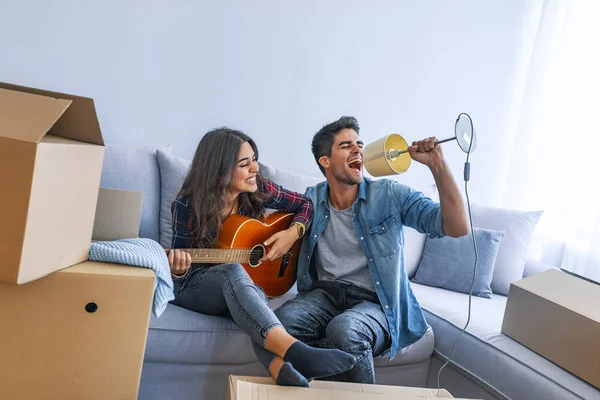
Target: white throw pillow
<point>414,241</point>
<point>518,227</point>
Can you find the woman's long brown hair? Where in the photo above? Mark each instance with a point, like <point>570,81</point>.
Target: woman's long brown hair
<point>210,176</point>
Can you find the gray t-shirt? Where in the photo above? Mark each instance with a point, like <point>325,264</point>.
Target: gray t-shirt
<point>339,256</point>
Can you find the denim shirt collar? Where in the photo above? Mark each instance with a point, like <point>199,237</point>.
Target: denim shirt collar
<point>363,189</point>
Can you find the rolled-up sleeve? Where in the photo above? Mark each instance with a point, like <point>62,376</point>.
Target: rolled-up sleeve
<point>285,200</point>
<point>418,211</point>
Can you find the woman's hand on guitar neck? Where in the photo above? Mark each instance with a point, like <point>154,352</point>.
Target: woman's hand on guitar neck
<point>280,243</point>
<point>180,262</point>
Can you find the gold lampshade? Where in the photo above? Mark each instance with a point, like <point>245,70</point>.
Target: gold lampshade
<point>377,160</point>
<point>389,155</point>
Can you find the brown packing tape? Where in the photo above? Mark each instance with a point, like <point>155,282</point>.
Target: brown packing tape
<point>118,214</point>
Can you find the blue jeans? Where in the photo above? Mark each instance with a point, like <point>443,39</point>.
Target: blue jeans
<point>342,316</point>
<point>227,290</point>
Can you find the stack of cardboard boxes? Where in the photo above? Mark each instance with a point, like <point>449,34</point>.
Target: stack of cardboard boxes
<point>69,328</point>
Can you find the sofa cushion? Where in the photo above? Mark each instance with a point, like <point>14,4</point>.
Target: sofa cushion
<point>173,171</point>
<point>488,355</point>
<point>135,168</point>
<point>290,180</point>
<point>518,229</point>
<point>183,336</point>
<point>448,262</point>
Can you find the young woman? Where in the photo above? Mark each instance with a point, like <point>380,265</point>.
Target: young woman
<point>224,179</point>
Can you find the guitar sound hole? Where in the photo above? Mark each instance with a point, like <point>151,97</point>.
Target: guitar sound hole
<point>256,254</point>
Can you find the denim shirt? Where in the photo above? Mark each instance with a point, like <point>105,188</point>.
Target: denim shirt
<point>379,212</point>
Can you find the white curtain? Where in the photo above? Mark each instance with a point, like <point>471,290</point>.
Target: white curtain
<point>555,157</point>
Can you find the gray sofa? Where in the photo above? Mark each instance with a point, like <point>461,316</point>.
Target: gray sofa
<point>189,355</point>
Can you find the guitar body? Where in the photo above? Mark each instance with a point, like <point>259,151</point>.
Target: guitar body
<point>240,232</point>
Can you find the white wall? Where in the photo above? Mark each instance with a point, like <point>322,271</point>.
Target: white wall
<point>166,72</point>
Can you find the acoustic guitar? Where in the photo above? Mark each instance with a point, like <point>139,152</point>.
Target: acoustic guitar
<point>241,241</point>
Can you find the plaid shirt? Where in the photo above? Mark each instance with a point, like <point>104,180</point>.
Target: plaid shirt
<point>280,199</point>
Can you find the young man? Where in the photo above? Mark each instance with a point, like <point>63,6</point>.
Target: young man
<point>354,293</point>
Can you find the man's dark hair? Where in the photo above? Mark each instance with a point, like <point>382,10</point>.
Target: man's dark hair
<point>323,140</point>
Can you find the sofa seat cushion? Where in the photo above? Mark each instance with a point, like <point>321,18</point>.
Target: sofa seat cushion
<point>488,355</point>
<point>184,336</point>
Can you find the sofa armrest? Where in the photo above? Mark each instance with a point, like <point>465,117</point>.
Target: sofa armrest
<point>533,267</point>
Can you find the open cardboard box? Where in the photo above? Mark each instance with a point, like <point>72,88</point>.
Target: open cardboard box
<point>51,152</point>
<point>259,388</point>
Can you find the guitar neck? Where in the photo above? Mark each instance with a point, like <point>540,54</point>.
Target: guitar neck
<point>218,256</point>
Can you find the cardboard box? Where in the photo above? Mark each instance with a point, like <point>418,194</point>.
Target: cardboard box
<point>79,333</point>
<point>51,152</point>
<point>259,388</point>
<point>558,316</point>
<point>118,214</point>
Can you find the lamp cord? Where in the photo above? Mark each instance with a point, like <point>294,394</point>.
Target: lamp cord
<point>467,176</point>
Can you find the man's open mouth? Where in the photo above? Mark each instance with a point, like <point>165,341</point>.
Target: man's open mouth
<point>355,164</point>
